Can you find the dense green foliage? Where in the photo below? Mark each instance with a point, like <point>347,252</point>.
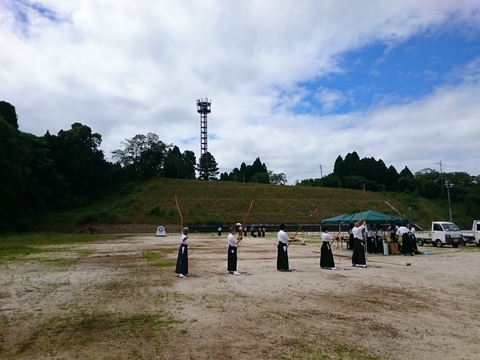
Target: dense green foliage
<point>255,173</point>
<point>207,167</point>
<point>353,172</point>
<point>55,173</point>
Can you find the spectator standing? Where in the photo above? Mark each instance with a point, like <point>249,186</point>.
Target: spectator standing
<point>371,248</point>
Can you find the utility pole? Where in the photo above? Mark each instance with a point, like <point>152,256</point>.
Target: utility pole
<point>441,174</point>
<point>321,175</point>
<point>448,184</point>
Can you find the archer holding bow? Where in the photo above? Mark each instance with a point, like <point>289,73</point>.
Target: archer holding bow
<point>283,242</point>
<point>326,255</point>
<point>233,242</point>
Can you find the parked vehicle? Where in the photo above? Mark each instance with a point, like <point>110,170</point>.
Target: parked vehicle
<point>441,233</point>
<point>473,236</point>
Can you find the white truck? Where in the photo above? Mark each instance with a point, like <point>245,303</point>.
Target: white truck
<point>441,233</point>
<point>473,236</point>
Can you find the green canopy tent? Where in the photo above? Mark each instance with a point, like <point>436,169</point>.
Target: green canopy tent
<point>342,221</point>
<point>339,219</point>
<point>378,218</point>
<point>370,216</point>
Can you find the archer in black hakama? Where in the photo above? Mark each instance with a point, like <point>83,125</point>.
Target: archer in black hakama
<point>282,257</point>
<point>232,258</point>
<point>379,241</point>
<point>358,256</point>
<point>371,245</point>
<point>351,240</point>
<point>407,248</point>
<point>182,260</point>
<point>326,256</point>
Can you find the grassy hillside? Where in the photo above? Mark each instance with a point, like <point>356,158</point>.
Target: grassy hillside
<point>145,206</point>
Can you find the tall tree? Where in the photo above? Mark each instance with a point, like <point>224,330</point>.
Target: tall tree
<point>277,179</point>
<point>207,167</point>
<point>11,174</point>
<point>179,166</point>
<point>143,156</point>
<point>189,161</point>
<point>172,167</point>
<point>7,111</point>
<point>247,173</point>
<point>352,164</point>
<point>78,158</point>
<point>429,184</point>
<point>406,181</point>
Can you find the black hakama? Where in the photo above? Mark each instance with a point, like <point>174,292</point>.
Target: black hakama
<point>358,256</point>
<point>232,258</point>
<point>413,239</point>
<point>371,248</point>
<point>379,244</point>
<point>326,256</point>
<point>282,257</point>
<point>407,248</point>
<point>182,260</point>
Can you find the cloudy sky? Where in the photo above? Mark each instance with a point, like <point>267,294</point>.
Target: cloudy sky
<point>296,83</point>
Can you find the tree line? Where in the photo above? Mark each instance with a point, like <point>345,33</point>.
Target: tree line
<point>353,172</point>
<point>68,170</point>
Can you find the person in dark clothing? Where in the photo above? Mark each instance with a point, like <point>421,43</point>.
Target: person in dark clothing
<point>413,238</point>
<point>407,248</point>
<point>371,248</point>
<point>358,256</point>
<point>326,255</point>
<point>182,259</point>
<point>379,240</point>
<point>282,255</point>
<point>233,241</point>
<point>351,238</point>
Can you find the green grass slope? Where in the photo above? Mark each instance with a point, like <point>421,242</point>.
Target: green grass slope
<point>152,203</point>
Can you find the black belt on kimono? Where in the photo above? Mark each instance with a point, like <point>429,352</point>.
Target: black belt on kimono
<point>282,243</point>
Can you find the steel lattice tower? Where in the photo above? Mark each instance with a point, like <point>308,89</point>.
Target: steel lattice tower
<point>203,108</point>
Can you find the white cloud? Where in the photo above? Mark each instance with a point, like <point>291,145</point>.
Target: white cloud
<point>330,98</point>
<point>125,68</point>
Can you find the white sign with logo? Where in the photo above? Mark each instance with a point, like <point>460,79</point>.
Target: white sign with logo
<point>161,231</point>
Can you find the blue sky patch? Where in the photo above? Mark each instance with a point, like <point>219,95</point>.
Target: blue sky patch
<point>23,8</point>
<point>381,74</point>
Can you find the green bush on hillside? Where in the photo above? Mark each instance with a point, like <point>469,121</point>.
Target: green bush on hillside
<point>156,211</point>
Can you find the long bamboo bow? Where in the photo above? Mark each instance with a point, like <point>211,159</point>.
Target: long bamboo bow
<point>245,221</point>
<point>303,224</point>
<point>246,216</point>
<point>180,213</point>
<point>361,204</point>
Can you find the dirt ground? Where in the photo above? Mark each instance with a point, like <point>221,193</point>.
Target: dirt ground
<point>120,299</point>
